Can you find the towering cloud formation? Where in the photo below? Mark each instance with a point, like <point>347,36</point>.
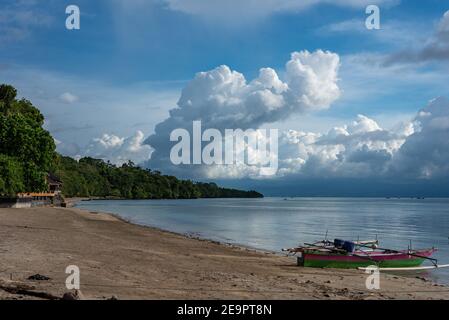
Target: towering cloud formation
<point>359,149</point>
<point>418,149</point>
<point>223,99</point>
<point>425,154</point>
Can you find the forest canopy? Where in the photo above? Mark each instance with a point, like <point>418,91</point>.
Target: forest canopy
<point>28,155</point>
<point>94,177</point>
<point>27,151</point>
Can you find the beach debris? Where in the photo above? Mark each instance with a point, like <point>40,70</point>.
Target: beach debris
<point>73,295</point>
<point>38,277</point>
<point>26,290</point>
<point>421,278</point>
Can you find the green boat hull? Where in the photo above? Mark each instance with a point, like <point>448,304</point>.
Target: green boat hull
<point>360,264</point>
<point>351,261</point>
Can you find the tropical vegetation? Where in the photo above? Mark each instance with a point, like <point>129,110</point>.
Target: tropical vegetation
<point>28,154</point>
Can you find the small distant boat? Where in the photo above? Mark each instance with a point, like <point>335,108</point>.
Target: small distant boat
<point>359,254</point>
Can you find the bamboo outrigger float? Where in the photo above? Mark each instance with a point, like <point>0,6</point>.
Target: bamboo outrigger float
<point>361,255</point>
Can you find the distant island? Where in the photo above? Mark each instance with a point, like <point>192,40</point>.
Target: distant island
<point>28,156</point>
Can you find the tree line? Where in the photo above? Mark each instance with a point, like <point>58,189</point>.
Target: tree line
<point>28,154</point>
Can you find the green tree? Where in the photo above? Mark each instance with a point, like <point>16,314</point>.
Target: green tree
<point>11,176</point>
<point>22,137</point>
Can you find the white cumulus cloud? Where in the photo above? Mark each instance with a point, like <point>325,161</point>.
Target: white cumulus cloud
<point>68,97</point>
<point>224,99</point>
<point>359,149</point>
<point>418,149</point>
<point>109,147</point>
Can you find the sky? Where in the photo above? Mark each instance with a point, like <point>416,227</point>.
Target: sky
<point>360,112</point>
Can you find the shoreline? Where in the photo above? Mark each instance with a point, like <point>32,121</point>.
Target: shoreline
<point>186,235</point>
<point>243,247</point>
<point>235,245</point>
<point>130,261</point>
<point>74,201</point>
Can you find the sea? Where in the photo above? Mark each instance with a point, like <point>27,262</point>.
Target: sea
<point>276,223</point>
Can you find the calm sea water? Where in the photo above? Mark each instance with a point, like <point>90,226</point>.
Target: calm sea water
<point>275,223</point>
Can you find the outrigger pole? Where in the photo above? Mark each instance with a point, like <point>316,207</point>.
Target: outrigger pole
<point>410,268</point>
<point>433,260</point>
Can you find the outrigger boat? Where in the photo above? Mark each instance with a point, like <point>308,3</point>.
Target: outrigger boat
<point>360,254</point>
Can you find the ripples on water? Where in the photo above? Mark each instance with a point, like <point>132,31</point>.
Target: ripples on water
<point>275,223</point>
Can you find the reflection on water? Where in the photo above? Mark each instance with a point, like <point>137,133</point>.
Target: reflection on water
<point>275,223</point>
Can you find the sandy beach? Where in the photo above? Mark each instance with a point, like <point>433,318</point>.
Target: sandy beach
<point>125,261</point>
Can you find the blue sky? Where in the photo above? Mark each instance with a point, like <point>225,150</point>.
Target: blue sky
<point>111,82</point>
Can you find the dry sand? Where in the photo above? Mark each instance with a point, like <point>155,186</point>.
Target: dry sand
<point>134,262</point>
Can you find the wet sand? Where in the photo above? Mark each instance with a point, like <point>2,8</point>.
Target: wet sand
<point>127,261</point>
